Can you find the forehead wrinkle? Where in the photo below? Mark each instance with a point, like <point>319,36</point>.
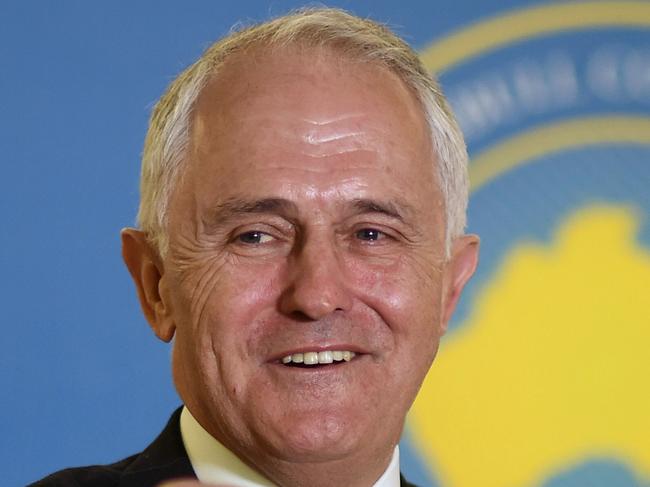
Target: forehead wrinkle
<point>313,137</point>
<point>336,138</point>
<point>331,119</point>
<point>331,127</point>
<point>327,153</point>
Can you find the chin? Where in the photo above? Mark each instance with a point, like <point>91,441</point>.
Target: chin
<point>318,438</point>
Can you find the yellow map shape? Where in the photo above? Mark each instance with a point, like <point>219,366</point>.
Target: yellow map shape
<point>552,368</point>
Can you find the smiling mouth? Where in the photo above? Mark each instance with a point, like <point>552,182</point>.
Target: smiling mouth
<point>314,359</point>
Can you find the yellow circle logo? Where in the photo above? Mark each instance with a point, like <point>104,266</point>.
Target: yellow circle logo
<point>542,381</point>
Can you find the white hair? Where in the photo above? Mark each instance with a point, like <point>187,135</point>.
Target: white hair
<point>167,141</point>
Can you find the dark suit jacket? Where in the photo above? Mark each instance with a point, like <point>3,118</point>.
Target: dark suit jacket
<point>164,459</point>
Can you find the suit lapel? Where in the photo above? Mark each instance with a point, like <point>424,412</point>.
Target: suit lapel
<point>404,483</point>
<point>163,459</point>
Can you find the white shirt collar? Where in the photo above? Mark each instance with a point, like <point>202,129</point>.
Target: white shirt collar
<point>214,463</point>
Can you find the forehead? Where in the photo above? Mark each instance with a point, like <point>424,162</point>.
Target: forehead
<point>244,82</point>
<point>312,112</point>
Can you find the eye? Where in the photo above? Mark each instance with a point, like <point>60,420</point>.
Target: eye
<point>370,234</point>
<point>254,238</point>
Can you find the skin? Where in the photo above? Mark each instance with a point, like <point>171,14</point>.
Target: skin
<point>307,218</point>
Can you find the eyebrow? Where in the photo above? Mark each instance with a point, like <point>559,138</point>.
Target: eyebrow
<point>394,209</point>
<point>232,208</point>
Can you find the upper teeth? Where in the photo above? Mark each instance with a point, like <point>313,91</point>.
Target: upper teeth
<point>315,358</point>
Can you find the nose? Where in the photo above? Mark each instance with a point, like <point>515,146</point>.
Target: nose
<point>316,285</point>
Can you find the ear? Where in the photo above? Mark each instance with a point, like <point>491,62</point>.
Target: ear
<point>459,269</point>
<point>146,269</point>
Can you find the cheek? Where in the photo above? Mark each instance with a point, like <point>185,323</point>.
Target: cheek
<point>407,297</point>
<point>244,287</point>
<point>221,323</point>
<point>407,286</point>
<point>236,300</point>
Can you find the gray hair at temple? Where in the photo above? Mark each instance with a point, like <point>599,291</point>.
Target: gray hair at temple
<point>167,142</point>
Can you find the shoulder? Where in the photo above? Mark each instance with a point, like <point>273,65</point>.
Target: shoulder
<point>94,475</point>
<point>163,459</point>
<point>404,483</point>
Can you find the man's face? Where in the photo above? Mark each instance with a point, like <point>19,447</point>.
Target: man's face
<point>307,220</point>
